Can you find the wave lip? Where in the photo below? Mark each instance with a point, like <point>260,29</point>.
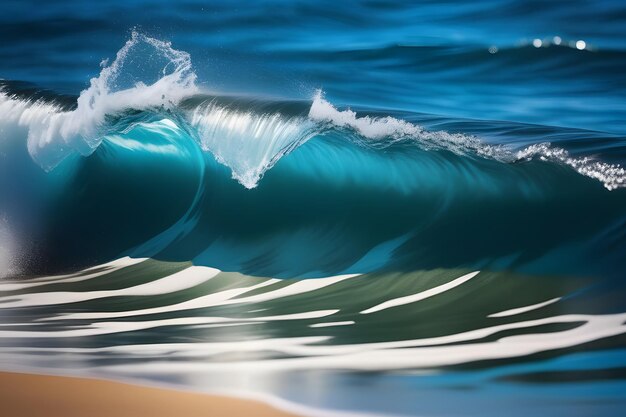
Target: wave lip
<point>248,143</point>
<point>149,75</point>
<point>53,134</point>
<point>613,176</point>
<point>390,129</point>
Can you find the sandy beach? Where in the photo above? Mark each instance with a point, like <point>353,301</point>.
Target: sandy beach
<point>26,395</point>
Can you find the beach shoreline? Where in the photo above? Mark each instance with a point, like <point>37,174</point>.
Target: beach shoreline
<point>31,395</point>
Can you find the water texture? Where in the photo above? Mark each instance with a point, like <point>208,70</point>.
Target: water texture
<point>394,208</point>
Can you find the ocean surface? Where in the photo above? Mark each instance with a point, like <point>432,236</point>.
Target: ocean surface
<point>360,208</point>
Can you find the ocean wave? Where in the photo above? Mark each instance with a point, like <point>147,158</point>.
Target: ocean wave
<point>365,187</point>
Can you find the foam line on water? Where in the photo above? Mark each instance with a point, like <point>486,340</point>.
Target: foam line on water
<point>112,327</point>
<point>333,324</point>
<point>421,295</point>
<point>222,298</point>
<point>392,355</point>
<point>209,300</point>
<point>520,310</point>
<point>434,351</point>
<point>98,270</point>
<point>186,348</point>
<point>184,279</point>
<point>299,287</point>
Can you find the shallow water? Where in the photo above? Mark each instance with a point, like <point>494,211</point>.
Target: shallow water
<point>376,207</point>
<point>385,343</point>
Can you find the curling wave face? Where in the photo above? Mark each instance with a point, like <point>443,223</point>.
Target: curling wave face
<point>366,189</point>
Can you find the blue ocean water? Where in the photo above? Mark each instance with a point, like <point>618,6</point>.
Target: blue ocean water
<point>386,207</point>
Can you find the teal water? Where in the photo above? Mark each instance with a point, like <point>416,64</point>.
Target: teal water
<point>386,208</point>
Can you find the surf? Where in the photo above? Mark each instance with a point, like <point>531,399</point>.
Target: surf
<point>381,190</point>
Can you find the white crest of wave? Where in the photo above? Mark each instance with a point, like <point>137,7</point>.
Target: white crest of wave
<point>133,81</point>
<point>248,143</point>
<point>612,176</point>
<point>391,128</point>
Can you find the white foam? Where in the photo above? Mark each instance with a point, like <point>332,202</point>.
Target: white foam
<point>209,300</point>
<point>184,279</point>
<point>299,287</point>
<point>53,133</point>
<point>418,353</point>
<point>333,324</point>
<point>392,128</point>
<point>592,327</point>
<point>112,327</point>
<point>611,175</point>
<point>421,295</point>
<point>520,310</point>
<point>226,297</point>
<point>322,110</point>
<point>92,272</point>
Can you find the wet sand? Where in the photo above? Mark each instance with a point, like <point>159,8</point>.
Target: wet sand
<point>26,395</point>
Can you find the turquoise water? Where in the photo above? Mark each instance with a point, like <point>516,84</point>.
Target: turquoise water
<point>370,207</point>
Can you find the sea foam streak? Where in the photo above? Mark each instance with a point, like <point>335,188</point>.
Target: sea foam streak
<point>312,341</point>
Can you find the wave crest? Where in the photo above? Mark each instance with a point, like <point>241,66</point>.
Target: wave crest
<point>149,74</point>
<point>612,176</point>
<point>145,73</point>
